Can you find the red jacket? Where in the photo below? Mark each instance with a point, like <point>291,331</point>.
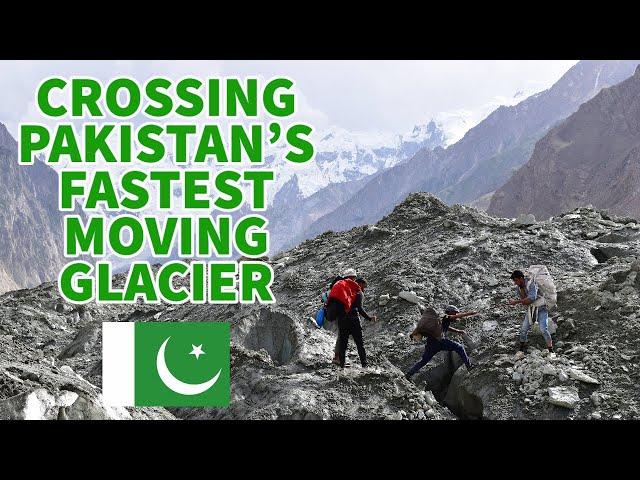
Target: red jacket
<point>345,292</point>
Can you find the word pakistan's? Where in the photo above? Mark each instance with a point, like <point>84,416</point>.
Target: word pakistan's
<point>199,233</point>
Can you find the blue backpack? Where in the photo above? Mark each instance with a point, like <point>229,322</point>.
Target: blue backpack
<point>320,316</point>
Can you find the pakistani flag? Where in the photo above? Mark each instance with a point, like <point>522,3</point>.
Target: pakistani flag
<point>171,364</point>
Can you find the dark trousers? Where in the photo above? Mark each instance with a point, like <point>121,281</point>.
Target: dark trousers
<point>434,346</point>
<point>335,310</point>
<point>350,326</point>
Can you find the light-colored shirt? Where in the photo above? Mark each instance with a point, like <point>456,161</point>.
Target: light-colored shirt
<point>531,290</point>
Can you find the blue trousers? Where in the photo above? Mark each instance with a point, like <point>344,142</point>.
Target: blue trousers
<point>434,346</point>
<point>543,322</point>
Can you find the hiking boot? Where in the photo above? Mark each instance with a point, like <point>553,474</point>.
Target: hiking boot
<point>523,347</point>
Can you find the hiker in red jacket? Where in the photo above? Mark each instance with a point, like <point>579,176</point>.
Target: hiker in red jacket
<point>350,326</point>
<point>341,298</point>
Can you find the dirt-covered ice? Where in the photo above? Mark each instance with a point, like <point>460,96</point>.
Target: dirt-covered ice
<point>422,253</point>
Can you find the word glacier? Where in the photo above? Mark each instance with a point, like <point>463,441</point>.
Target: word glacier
<point>174,282</point>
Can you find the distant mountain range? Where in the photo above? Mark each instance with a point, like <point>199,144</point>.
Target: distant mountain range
<point>593,157</point>
<point>573,153</point>
<point>483,160</point>
<point>343,156</point>
<point>31,227</point>
<point>344,162</point>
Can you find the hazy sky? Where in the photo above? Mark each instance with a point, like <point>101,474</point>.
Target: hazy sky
<point>386,96</point>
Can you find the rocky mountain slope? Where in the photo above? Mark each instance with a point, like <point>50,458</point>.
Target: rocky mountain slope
<point>592,157</point>
<point>484,158</point>
<point>506,139</point>
<point>30,223</point>
<point>423,251</point>
<point>291,213</point>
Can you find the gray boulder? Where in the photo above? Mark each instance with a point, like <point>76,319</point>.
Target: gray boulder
<point>566,397</point>
<point>525,219</point>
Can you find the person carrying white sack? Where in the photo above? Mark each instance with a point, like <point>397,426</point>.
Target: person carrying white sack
<point>537,292</point>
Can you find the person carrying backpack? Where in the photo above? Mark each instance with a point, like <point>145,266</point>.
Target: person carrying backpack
<point>537,291</point>
<point>350,325</point>
<point>321,315</point>
<point>339,302</point>
<point>435,329</point>
<point>341,296</point>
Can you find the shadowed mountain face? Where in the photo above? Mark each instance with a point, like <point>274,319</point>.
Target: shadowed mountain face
<point>484,158</point>
<point>31,226</point>
<point>380,194</point>
<point>591,158</point>
<point>508,135</point>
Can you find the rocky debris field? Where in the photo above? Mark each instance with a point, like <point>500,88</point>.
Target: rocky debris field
<point>50,362</point>
<point>422,253</point>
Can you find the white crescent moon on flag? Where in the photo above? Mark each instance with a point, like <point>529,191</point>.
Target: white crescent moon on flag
<point>176,385</point>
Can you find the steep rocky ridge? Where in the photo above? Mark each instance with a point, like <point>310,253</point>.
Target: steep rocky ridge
<point>485,158</point>
<point>31,227</point>
<point>592,157</point>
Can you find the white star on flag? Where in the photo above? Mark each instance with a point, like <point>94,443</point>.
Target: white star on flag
<point>197,351</point>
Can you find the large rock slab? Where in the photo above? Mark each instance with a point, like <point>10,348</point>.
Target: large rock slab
<point>583,377</point>
<point>38,404</point>
<point>566,397</point>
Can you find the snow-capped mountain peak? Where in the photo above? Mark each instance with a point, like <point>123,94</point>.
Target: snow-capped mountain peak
<point>343,156</point>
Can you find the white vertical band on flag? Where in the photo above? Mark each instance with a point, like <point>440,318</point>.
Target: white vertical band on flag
<point>118,364</point>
